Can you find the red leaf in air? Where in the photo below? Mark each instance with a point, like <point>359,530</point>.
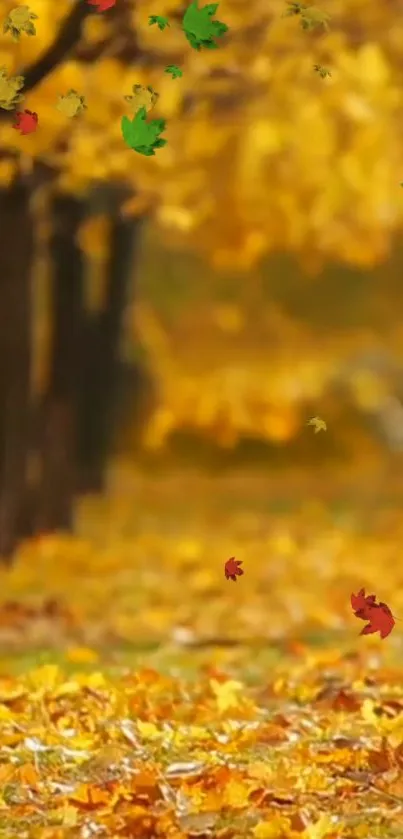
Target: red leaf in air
<point>102,5</point>
<point>378,615</point>
<point>232,569</point>
<point>26,122</point>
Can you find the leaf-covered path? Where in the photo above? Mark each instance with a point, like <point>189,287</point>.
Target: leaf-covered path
<point>143,695</point>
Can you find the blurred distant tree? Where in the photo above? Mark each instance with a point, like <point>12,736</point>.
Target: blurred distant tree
<point>262,153</point>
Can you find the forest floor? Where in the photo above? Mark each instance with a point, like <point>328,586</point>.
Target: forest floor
<point>144,695</point>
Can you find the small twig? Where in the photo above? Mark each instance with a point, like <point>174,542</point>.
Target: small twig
<point>388,795</point>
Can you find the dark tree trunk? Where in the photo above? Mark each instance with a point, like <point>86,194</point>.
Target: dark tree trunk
<point>16,255</point>
<point>101,366</point>
<point>58,411</point>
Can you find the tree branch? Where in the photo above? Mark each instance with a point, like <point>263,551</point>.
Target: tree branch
<point>67,39</point>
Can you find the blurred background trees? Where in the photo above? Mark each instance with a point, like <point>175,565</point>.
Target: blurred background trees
<point>244,278</point>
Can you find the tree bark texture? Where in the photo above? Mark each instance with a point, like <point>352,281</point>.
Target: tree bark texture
<point>16,254</point>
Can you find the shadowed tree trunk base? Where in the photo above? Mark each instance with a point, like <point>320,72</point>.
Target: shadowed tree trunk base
<point>101,368</point>
<point>59,407</point>
<point>17,246</point>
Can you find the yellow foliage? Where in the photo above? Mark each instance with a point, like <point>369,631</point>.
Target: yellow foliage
<point>240,174</point>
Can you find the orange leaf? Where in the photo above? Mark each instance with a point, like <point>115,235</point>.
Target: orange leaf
<point>89,797</point>
<point>27,775</point>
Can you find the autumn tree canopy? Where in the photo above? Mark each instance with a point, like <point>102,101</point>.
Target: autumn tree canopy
<point>262,152</point>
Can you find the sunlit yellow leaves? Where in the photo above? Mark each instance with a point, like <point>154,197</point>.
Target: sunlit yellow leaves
<point>237,794</point>
<point>325,826</point>
<point>148,730</point>
<point>256,737</point>
<point>10,693</point>
<point>227,693</point>
<point>45,678</point>
<point>277,827</point>
<point>245,142</point>
<point>66,816</point>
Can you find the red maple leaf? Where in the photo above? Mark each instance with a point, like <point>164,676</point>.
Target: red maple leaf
<point>232,569</point>
<point>102,5</point>
<point>26,122</point>
<point>378,615</point>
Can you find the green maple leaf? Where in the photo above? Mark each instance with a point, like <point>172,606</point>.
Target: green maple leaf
<point>174,70</point>
<point>200,28</point>
<point>161,21</point>
<point>143,136</point>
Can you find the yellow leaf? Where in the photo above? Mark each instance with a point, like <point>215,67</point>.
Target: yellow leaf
<point>148,730</point>
<point>66,816</point>
<point>318,424</point>
<point>237,794</point>
<point>66,689</point>
<point>260,770</point>
<point>320,829</point>
<point>226,693</point>
<point>6,772</point>
<point>276,828</point>
<point>46,677</point>
<point>368,712</point>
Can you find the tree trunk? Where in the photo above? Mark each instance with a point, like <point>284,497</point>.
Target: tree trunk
<point>17,250</point>
<point>101,365</point>
<point>58,414</point>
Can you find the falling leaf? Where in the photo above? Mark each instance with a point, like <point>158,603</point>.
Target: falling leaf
<point>378,615</point>
<point>26,122</point>
<point>142,136</point>
<point>159,20</point>
<point>318,424</point>
<point>9,90</point>
<point>102,5</point>
<point>20,20</point>
<point>312,18</point>
<point>232,569</point>
<point>174,71</point>
<point>323,72</point>
<point>142,97</point>
<point>200,28</point>
<point>71,103</point>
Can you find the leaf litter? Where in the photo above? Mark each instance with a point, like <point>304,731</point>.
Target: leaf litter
<point>275,737</point>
